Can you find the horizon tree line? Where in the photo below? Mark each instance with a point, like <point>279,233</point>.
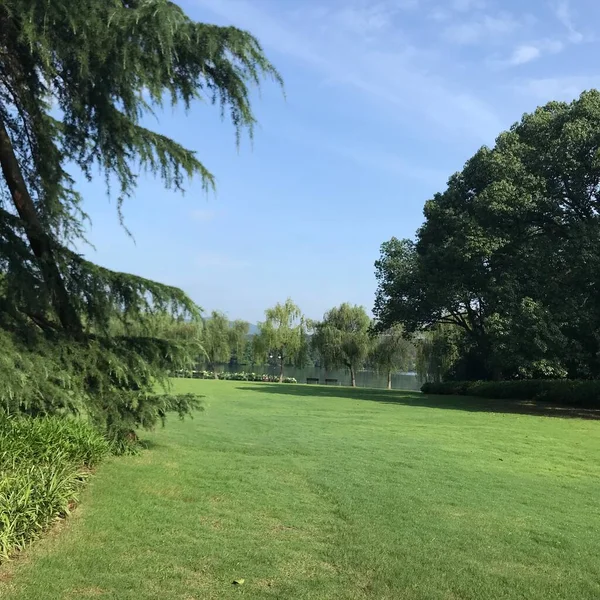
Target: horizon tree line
<point>346,338</point>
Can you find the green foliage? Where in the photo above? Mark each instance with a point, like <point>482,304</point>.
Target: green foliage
<point>216,339</point>
<point>579,393</point>
<point>238,336</point>
<point>225,376</point>
<point>508,254</point>
<point>343,338</point>
<point>391,352</point>
<point>43,463</point>
<point>77,79</point>
<point>438,352</point>
<point>282,334</point>
<point>121,382</point>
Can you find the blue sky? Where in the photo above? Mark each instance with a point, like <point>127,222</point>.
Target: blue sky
<point>385,99</point>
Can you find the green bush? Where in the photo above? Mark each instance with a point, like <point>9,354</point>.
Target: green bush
<point>559,391</point>
<point>226,376</point>
<point>43,464</point>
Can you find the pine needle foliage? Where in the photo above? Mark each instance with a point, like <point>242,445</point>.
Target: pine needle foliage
<point>77,78</point>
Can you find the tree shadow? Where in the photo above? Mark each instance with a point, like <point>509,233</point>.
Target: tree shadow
<point>408,398</point>
<point>147,444</point>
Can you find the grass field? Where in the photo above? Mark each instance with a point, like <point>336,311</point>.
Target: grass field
<point>316,493</point>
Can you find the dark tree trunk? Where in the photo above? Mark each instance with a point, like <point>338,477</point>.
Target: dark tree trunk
<point>352,376</point>
<point>38,238</point>
<point>281,369</point>
<point>389,385</point>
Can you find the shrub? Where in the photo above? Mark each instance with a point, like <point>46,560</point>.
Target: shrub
<point>43,464</point>
<point>560,391</point>
<point>225,376</point>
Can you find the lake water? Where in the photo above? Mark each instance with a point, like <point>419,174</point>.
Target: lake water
<point>400,381</point>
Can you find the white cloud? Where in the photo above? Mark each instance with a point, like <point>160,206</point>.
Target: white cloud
<point>363,19</point>
<point>563,14</point>
<point>468,5</point>
<point>482,29</point>
<point>203,215</point>
<point>393,75</point>
<point>525,54</point>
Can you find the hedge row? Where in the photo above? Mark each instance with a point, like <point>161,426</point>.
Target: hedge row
<point>226,376</point>
<point>560,391</point>
<point>43,464</point>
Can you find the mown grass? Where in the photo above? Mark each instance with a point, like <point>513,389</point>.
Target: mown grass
<point>314,493</point>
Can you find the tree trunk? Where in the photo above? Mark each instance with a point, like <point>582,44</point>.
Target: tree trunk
<point>281,369</point>
<point>214,370</point>
<point>353,376</point>
<point>38,238</point>
<point>389,380</point>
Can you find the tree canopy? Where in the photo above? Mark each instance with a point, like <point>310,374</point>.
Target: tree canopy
<point>391,352</point>
<point>508,252</point>
<point>343,338</point>
<point>77,78</point>
<point>216,340</point>
<point>282,333</point>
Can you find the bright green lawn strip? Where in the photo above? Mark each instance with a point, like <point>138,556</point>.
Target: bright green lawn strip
<point>313,493</point>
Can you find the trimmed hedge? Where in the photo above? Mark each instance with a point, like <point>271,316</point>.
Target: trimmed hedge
<point>226,376</point>
<point>585,394</point>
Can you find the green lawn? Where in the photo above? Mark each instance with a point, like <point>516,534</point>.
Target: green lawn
<point>324,493</point>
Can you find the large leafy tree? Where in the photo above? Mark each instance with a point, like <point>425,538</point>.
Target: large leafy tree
<point>508,252</point>
<point>343,338</point>
<point>77,78</point>
<point>282,333</point>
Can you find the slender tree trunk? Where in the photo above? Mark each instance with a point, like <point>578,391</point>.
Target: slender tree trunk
<point>352,376</point>
<point>389,380</point>
<point>281,369</point>
<point>214,370</point>
<point>38,238</point>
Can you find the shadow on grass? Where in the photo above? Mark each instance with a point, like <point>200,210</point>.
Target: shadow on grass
<point>409,398</point>
<point>149,444</point>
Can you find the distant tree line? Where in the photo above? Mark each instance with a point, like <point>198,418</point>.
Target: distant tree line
<point>345,338</point>
<point>503,278</point>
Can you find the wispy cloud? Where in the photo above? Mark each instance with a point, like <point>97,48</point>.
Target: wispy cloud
<point>362,20</point>
<point>563,14</point>
<point>203,215</point>
<point>391,73</point>
<point>483,28</point>
<point>468,5</point>
<point>524,54</point>
<point>531,51</point>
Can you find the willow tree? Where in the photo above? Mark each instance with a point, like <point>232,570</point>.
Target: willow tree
<point>238,337</point>
<point>282,334</point>
<point>77,78</point>
<point>343,338</point>
<point>215,340</point>
<point>391,352</point>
